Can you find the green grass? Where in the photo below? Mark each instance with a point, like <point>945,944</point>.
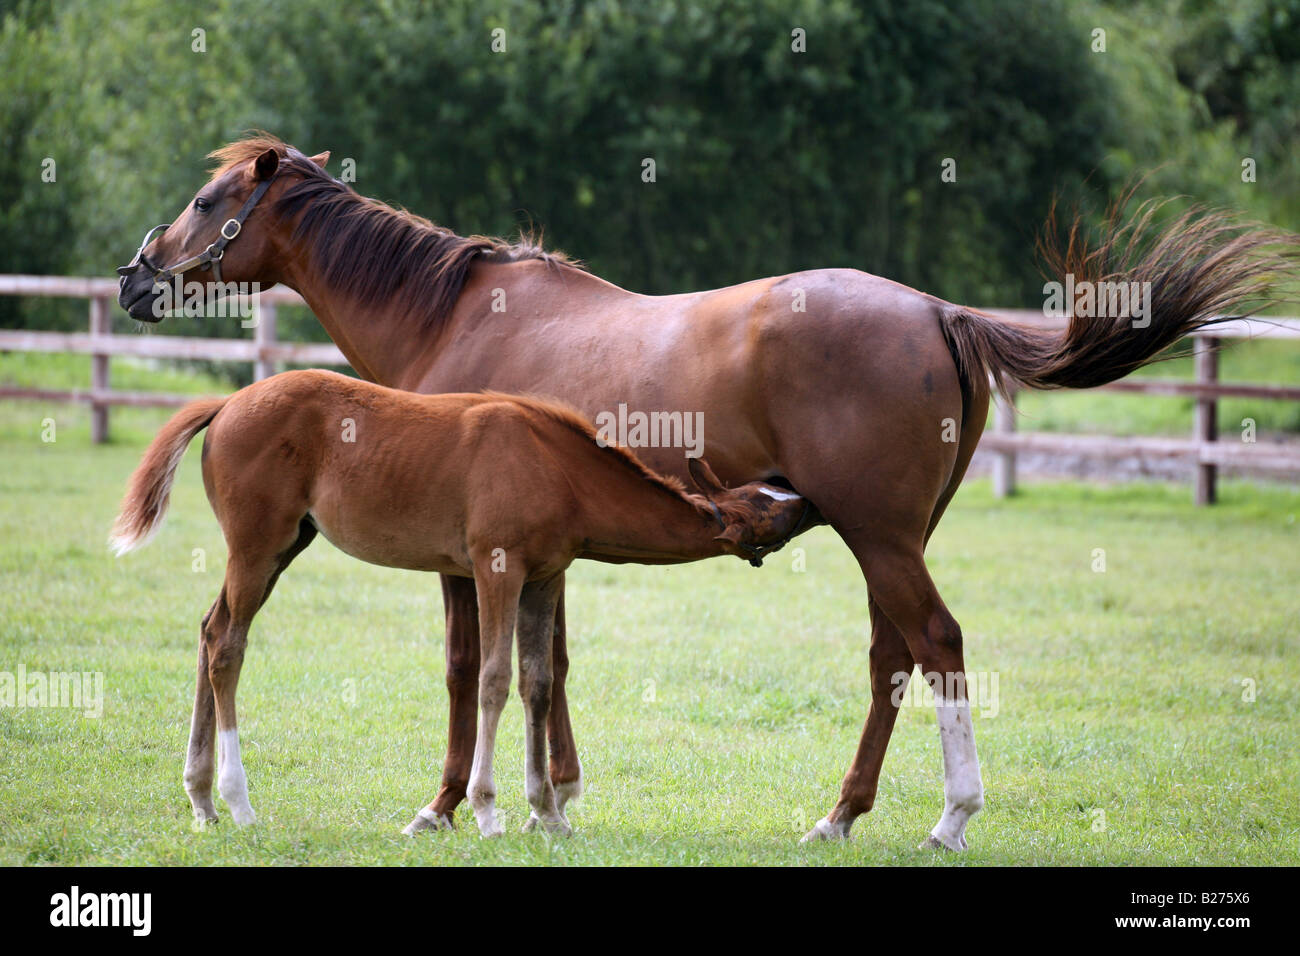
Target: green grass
<point>1118,691</point>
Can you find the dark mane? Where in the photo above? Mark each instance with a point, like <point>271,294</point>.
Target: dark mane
<point>369,250</point>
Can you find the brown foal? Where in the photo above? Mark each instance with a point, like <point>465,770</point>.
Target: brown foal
<point>864,396</point>
<point>505,490</point>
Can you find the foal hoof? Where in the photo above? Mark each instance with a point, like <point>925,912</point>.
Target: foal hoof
<point>560,826</point>
<point>426,819</point>
<point>827,829</point>
<point>933,842</point>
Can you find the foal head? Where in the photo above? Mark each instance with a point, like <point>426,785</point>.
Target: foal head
<point>225,234</point>
<point>754,519</point>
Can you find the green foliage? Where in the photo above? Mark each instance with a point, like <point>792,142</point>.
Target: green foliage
<point>767,160</point>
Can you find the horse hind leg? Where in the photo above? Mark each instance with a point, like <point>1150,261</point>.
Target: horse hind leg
<point>901,583</point>
<point>200,758</point>
<point>566,768</point>
<point>251,574</point>
<point>891,666</point>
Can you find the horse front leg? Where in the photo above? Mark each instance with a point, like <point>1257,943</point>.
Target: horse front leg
<point>498,596</point>
<point>461,603</point>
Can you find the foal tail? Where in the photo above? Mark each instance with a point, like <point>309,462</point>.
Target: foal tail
<point>150,487</point>
<point>1202,270</point>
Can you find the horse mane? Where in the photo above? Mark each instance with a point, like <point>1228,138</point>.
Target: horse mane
<point>369,250</point>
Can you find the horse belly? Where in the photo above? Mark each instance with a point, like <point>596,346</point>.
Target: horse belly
<point>412,536</point>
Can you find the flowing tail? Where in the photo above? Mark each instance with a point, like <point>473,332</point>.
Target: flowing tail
<point>150,487</point>
<point>1201,270</point>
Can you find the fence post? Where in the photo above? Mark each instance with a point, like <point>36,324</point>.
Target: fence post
<point>1004,462</point>
<point>100,325</point>
<point>1206,423</point>
<point>264,334</point>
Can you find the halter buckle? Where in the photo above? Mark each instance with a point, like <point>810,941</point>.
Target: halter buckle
<point>231,222</point>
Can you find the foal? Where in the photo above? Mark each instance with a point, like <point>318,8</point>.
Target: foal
<point>504,489</point>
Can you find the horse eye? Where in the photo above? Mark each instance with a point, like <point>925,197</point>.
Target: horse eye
<point>202,205</point>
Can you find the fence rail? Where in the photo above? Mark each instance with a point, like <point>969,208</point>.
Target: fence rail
<point>1203,450</point>
<point>265,350</point>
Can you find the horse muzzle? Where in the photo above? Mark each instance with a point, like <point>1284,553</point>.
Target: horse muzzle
<point>137,282</point>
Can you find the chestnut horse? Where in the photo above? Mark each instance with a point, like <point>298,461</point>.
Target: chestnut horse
<point>503,490</point>
<point>865,396</point>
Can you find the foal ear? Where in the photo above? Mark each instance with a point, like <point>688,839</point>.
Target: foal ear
<point>704,478</point>
<point>264,167</point>
<point>320,159</point>
<point>730,538</point>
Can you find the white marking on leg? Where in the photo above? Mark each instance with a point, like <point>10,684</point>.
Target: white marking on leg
<point>569,790</point>
<point>232,783</point>
<point>482,788</point>
<point>828,829</point>
<point>426,819</point>
<point>963,791</point>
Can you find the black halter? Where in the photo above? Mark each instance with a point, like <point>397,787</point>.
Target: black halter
<point>208,258</point>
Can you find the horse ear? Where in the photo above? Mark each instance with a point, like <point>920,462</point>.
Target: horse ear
<point>704,478</point>
<point>730,538</point>
<point>267,162</point>
<point>320,159</point>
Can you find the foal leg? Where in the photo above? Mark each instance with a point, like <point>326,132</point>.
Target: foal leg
<point>566,768</point>
<point>250,576</point>
<point>536,629</point>
<point>225,637</point>
<point>200,758</point>
<point>498,597</point>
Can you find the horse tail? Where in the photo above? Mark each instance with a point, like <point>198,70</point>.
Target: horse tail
<point>1203,269</point>
<point>149,489</point>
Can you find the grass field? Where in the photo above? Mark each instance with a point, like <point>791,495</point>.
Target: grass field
<point>715,706</point>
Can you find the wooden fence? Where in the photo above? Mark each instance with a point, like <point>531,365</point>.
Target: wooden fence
<point>265,351</point>
<point>1203,449</point>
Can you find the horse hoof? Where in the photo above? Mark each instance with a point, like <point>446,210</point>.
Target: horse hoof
<point>827,829</point>
<point>426,819</point>
<point>244,816</point>
<point>933,842</point>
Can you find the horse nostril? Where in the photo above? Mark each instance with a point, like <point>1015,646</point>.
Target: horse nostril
<point>125,271</point>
